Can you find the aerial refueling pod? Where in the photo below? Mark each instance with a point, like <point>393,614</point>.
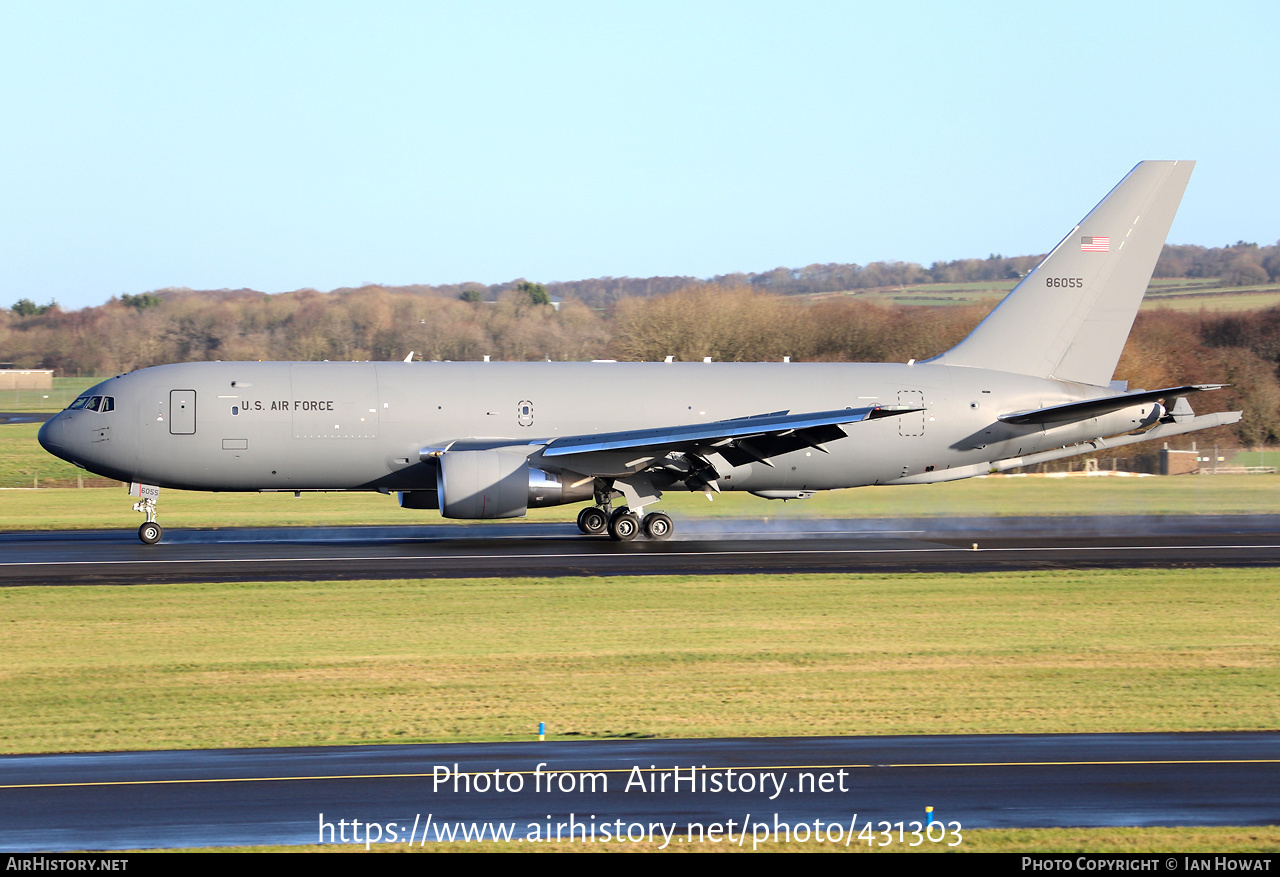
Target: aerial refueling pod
<point>501,484</point>
<point>1128,420</point>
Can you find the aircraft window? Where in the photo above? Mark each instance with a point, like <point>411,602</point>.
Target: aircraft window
<point>78,403</point>
<point>92,404</point>
<point>108,403</point>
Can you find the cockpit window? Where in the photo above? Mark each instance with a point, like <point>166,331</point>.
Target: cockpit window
<point>94,403</point>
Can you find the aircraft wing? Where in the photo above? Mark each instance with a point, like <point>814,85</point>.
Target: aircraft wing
<point>1105,405</point>
<point>740,440</point>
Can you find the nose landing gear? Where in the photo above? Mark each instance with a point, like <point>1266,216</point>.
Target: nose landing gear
<point>150,532</point>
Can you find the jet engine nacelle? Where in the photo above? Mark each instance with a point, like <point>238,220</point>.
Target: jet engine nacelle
<point>500,484</point>
<point>483,484</point>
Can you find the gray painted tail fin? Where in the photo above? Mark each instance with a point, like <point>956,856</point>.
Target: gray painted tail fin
<point>1070,317</point>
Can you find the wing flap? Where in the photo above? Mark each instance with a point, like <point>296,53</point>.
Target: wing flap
<point>769,434</point>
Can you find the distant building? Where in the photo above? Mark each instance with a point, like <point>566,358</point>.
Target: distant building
<point>1179,462</point>
<point>26,379</point>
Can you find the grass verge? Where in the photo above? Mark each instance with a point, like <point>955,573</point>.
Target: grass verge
<point>64,390</point>
<point>199,666</point>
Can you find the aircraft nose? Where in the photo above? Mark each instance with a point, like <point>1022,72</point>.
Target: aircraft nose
<point>52,435</point>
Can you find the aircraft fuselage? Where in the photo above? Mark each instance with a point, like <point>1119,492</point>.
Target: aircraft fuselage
<point>250,426</point>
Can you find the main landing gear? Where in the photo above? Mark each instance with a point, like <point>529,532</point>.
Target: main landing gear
<point>593,521</point>
<point>624,525</point>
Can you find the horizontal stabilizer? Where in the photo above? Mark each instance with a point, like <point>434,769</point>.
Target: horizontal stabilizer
<point>679,437</point>
<point>1164,430</point>
<point>1094,407</point>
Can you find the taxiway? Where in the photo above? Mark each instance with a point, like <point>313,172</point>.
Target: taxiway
<point>288,796</point>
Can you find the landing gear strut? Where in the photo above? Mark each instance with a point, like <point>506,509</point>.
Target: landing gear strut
<point>624,524</point>
<point>150,532</point>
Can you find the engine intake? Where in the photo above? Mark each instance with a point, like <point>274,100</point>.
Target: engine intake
<point>478,485</point>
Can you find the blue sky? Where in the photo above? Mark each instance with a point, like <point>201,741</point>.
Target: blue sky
<point>288,145</point>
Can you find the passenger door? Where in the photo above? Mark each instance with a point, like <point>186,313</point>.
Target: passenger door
<point>182,412</point>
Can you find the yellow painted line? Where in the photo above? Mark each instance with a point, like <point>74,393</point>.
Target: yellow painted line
<point>703,768</point>
<point>1087,763</point>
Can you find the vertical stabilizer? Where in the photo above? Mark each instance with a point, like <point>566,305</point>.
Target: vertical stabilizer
<point>1070,317</point>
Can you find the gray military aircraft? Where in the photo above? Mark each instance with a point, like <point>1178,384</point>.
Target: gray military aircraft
<point>1031,383</point>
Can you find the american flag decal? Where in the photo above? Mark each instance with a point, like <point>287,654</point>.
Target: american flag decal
<point>1095,245</point>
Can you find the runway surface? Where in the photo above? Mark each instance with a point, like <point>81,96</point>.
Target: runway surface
<point>116,557</point>
<point>241,797</point>
<point>24,416</point>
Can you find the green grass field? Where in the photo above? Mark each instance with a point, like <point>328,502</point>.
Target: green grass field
<point>256,664</point>
<point>292,664</point>
<point>64,390</point>
<point>23,463</point>
<point>153,667</point>
<point>991,496</point>
<point>1256,458</point>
